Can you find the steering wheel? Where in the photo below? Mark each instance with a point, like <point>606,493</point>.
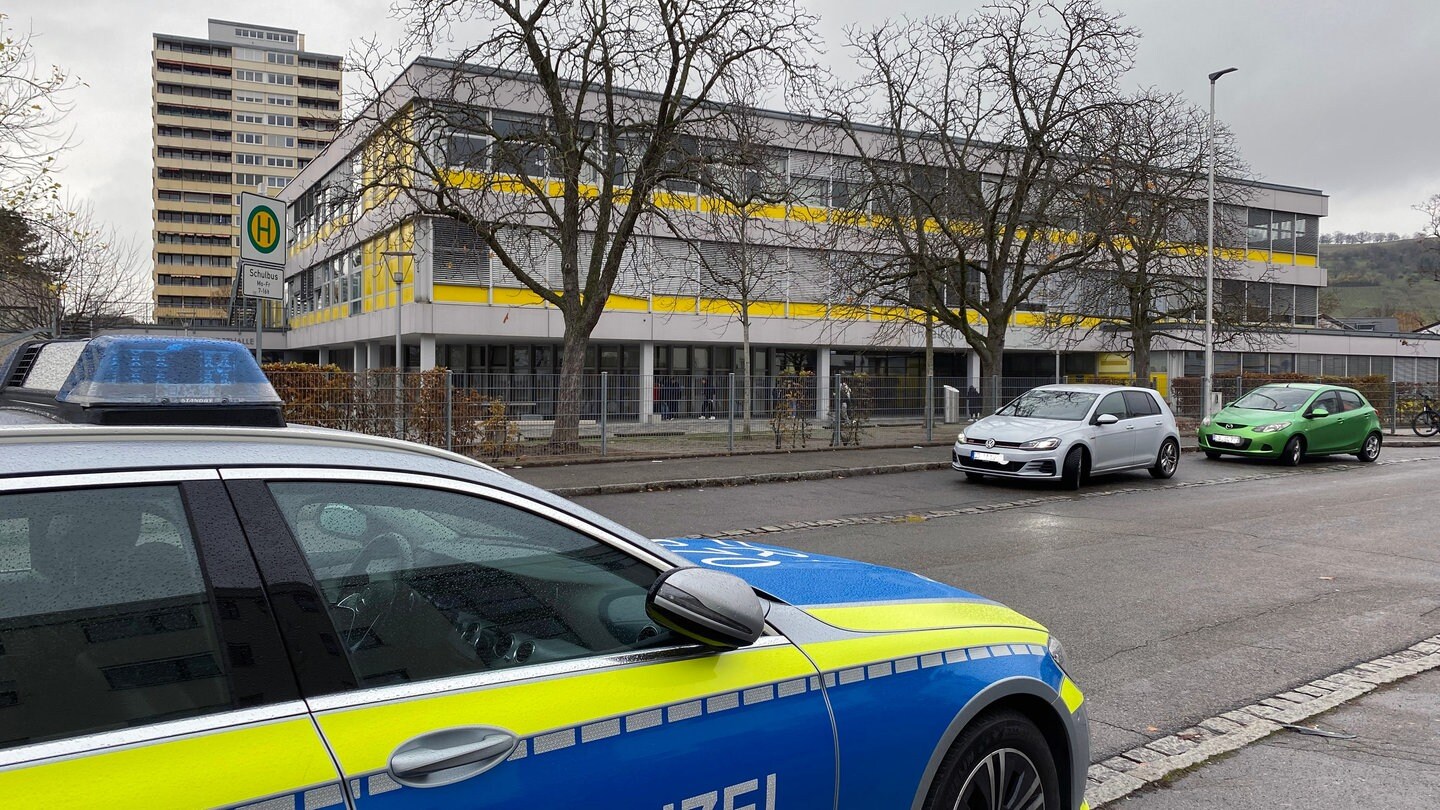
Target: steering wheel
<point>402,551</point>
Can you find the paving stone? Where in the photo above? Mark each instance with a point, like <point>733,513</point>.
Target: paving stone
<point>1170,746</point>
<point>1143,755</point>
<point>1119,764</point>
<point>1312,691</point>
<point>1220,725</point>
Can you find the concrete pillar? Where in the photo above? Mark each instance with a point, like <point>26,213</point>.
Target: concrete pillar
<point>324,356</point>
<point>973,361</point>
<point>377,354</point>
<point>823,385</point>
<point>427,352</point>
<point>362,356</point>
<point>647,383</point>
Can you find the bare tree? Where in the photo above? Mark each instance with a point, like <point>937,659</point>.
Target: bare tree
<point>560,134</point>
<point>1430,236</point>
<point>736,239</point>
<point>986,135</point>
<point>33,106</point>
<point>1149,208</point>
<point>68,273</point>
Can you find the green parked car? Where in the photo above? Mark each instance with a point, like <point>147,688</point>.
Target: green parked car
<point>1290,421</point>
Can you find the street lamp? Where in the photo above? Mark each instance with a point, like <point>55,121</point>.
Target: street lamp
<point>397,274</point>
<point>1209,380</point>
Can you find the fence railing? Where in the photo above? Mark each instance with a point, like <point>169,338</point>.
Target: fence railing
<point>498,416</point>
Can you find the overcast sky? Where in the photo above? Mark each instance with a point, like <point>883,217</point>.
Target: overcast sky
<point>1331,95</point>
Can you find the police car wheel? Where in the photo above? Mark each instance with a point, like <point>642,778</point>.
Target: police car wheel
<point>1000,760</point>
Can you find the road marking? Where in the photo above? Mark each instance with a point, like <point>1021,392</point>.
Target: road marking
<point>1145,765</point>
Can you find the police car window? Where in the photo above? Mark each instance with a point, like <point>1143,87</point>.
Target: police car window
<point>427,583</point>
<point>104,618</point>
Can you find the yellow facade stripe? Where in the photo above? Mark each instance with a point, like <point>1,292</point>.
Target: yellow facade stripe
<point>220,768</point>
<point>1305,261</point>
<point>812,311</point>
<point>852,652</point>
<point>364,737</point>
<point>673,303</point>
<point>461,294</point>
<point>920,616</point>
<point>1070,693</point>
<point>512,297</point>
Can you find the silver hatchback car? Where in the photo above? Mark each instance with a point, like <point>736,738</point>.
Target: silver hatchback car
<point>1067,432</point>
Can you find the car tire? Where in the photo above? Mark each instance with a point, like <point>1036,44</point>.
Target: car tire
<point>1167,461</point>
<point>1072,472</point>
<point>1370,450</point>
<point>1212,454</point>
<point>974,476</point>
<point>1002,741</point>
<point>1293,453</point>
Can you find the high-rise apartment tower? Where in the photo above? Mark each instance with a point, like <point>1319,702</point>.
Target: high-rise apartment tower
<point>242,110</point>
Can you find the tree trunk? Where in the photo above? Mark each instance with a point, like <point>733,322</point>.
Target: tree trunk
<point>991,366</point>
<point>1140,352</point>
<point>565,437</point>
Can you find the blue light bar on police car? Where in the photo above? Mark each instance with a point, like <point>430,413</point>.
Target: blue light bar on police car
<point>146,370</point>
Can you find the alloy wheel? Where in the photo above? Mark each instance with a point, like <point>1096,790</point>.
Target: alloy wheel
<point>1169,458</point>
<point>1004,780</point>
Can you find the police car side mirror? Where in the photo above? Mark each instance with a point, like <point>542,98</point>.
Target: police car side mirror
<point>714,608</point>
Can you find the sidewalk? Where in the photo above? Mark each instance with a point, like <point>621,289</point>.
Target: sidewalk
<point>604,477</point>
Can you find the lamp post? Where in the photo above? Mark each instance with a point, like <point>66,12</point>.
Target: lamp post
<point>1209,380</point>
<point>397,274</point>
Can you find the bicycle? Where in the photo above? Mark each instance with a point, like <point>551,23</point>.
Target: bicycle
<point>1427,422</point>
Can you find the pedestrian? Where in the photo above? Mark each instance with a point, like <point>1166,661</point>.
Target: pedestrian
<point>707,408</point>
<point>972,402</point>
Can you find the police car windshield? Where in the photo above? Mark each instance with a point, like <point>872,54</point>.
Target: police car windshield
<point>1274,399</point>
<point>1068,406</point>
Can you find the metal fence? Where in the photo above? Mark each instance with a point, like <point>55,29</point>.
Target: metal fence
<point>1397,403</point>
<point>508,416</point>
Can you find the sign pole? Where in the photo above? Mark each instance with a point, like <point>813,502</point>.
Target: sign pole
<point>259,322</point>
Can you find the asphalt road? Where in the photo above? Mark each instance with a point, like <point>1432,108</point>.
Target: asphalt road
<point>1177,600</point>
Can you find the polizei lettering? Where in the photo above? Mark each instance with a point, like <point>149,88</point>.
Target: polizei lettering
<point>729,798</point>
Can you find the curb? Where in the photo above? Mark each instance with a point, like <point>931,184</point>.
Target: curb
<point>1153,762</point>
<point>753,478</point>
<point>540,462</point>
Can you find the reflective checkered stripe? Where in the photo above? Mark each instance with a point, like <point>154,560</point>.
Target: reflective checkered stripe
<point>675,715</point>
<point>323,797</point>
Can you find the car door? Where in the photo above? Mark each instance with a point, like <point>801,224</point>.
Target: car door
<point>1326,434</point>
<point>498,655</point>
<point>1146,425</point>
<point>139,662</point>
<point>1114,445</point>
<point>1356,420</point>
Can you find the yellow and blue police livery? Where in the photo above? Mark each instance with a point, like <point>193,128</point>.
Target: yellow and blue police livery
<point>203,607</point>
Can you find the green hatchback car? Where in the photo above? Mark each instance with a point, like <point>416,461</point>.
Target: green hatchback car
<point>1290,421</point>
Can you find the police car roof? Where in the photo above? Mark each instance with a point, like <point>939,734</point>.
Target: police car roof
<point>56,449</point>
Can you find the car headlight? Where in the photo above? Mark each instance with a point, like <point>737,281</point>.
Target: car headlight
<point>1205,422</point>
<point>960,438</point>
<point>1041,444</point>
<point>1275,427</point>
<point>1057,651</point>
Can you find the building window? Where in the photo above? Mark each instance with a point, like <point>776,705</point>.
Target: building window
<point>249,118</point>
<point>281,101</point>
<point>280,58</point>
<point>249,98</point>
<point>280,120</point>
<point>277,182</point>
<point>249,54</point>
<point>280,162</point>
<point>279,78</point>
<point>249,160</point>
<point>247,179</point>
<point>281,141</point>
<point>242,75</point>
<point>249,137</point>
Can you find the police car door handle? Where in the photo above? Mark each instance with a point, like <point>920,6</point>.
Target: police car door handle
<point>448,756</point>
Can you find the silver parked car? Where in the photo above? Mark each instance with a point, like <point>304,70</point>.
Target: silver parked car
<point>1067,432</point>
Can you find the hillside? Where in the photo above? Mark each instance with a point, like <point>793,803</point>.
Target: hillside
<point>1383,278</point>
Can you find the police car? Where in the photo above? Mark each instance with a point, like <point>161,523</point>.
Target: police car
<point>203,607</point>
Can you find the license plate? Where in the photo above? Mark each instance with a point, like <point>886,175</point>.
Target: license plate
<point>981,455</point>
<point>1221,438</point>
